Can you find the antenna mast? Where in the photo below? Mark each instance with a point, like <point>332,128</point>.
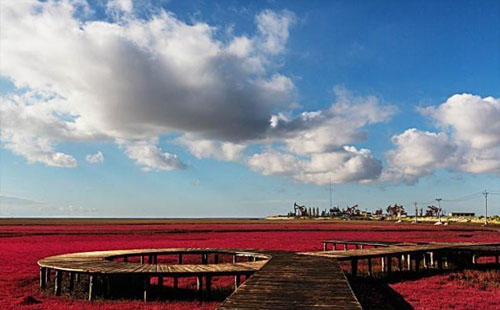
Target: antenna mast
<point>330,192</point>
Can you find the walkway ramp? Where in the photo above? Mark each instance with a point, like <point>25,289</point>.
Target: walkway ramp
<point>291,281</point>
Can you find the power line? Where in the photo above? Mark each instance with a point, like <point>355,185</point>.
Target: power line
<point>464,198</point>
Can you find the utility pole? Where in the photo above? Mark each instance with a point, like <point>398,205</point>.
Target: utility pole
<point>416,213</point>
<point>439,209</point>
<point>485,193</point>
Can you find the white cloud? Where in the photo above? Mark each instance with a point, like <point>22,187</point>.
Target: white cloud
<point>333,128</point>
<point>148,154</point>
<point>120,5</point>
<point>418,153</point>
<point>134,79</point>
<point>346,165</point>
<point>204,148</point>
<point>469,142</point>
<point>472,119</point>
<point>274,28</point>
<point>97,158</point>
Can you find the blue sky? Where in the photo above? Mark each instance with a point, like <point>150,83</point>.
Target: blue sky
<point>181,115</point>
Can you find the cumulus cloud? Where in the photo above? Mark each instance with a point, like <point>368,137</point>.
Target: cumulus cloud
<point>346,165</point>
<point>204,148</point>
<point>332,128</point>
<point>131,80</point>
<point>472,119</point>
<point>97,158</point>
<point>149,155</point>
<point>418,153</point>
<point>135,79</point>
<point>469,142</point>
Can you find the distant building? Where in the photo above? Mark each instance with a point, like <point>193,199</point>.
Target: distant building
<point>462,214</point>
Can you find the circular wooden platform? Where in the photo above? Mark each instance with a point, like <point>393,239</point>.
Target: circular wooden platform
<point>105,264</point>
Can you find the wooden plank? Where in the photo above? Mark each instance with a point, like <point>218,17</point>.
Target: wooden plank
<point>292,281</point>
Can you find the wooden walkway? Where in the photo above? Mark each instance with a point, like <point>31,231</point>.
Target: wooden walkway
<point>276,280</point>
<point>291,281</point>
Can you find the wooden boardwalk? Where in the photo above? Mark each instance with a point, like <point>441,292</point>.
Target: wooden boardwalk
<point>276,280</point>
<point>292,281</point>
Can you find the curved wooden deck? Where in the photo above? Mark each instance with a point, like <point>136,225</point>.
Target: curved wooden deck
<point>103,264</point>
<point>279,280</point>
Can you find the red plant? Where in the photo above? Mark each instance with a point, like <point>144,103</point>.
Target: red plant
<point>22,246</point>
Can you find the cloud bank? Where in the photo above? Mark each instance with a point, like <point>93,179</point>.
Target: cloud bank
<point>135,81</point>
<point>469,141</point>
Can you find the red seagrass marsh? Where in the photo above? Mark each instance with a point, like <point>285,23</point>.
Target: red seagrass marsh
<point>22,244</point>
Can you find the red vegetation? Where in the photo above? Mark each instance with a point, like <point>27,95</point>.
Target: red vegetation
<point>22,246</point>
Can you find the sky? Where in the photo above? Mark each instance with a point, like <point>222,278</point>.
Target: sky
<point>173,108</point>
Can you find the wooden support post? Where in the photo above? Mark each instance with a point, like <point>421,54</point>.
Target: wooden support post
<point>160,281</point>
<point>204,258</point>
<point>176,282</point>
<point>426,265</point>
<point>142,259</point>
<point>474,259</point>
<point>47,275</point>
<point>237,281</point>
<point>57,283</point>
<point>354,267</point>
<point>216,259</point>
<point>208,285</point>
<point>91,287</point>
<point>43,284</point>
<point>431,255</point>
<point>199,283</point>
<point>146,288</point>
<point>235,259</point>
<point>324,246</point>
<point>77,277</point>
<point>369,266</point>
<point>180,259</point>
<point>107,283</point>
<point>71,281</point>
<point>334,246</point>
<point>382,263</point>
<point>408,262</point>
<point>389,265</point>
<point>362,246</point>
